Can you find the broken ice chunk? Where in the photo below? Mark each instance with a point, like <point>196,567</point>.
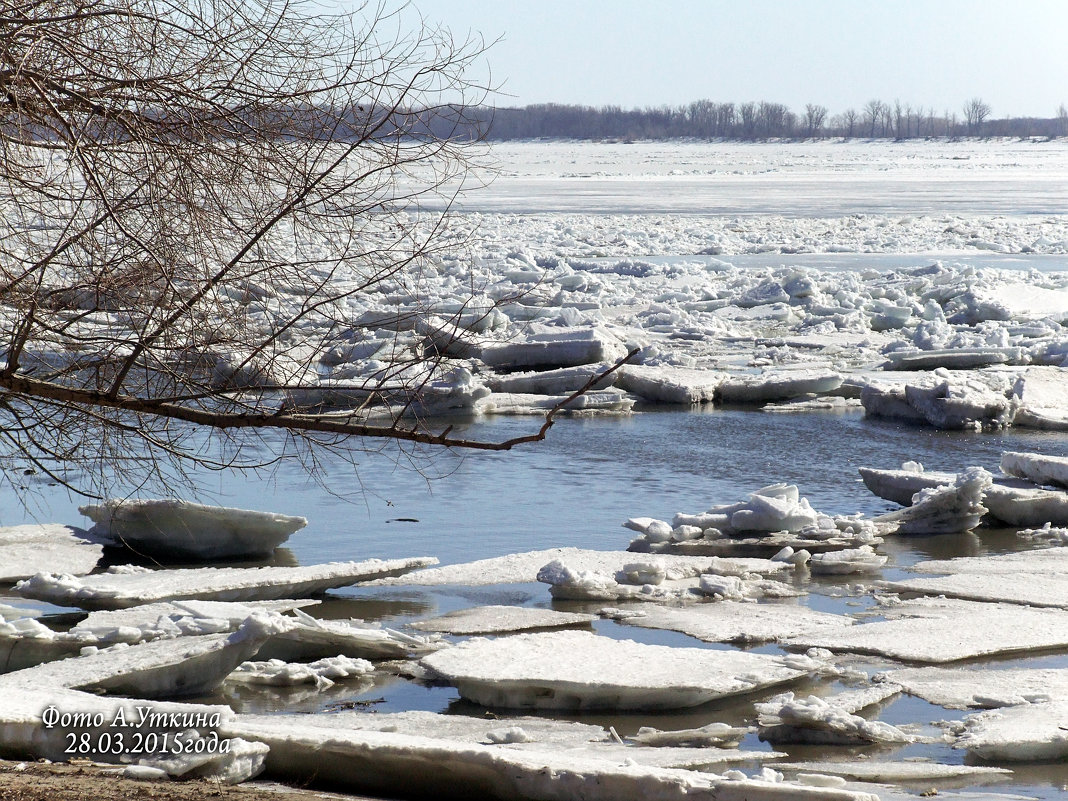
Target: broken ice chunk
<point>719,735</point>
<point>1026,733</point>
<point>1037,578</point>
<point>828,721</point>
<point>1036,467</point>
<point>921,632</point>
<point>943,510</point>
<point>730,621</point>
<point>173,528</point>
<point>499,619</point>
<point>158,669</point>
<point>988,688</point>
<point>848,560</point>
<point>321,673</point>
<point>580,670</point>
<point>24,549</point>
<point>556,348</point>
<point>778,385</point>
<point>129,586</point>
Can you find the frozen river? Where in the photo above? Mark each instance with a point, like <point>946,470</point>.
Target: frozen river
<point>678,244</point>
<point>809,180</point>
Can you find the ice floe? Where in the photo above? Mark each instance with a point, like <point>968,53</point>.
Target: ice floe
<point>1036,467</point>
<point>920,631</point>
<point>174,528</point>
<point>731,621</point>
<point>552,671</point>
<point>395,763</point>
<point>975,400</point>
<point>987,688</point>
<point>1013,501</point>
<point>651,581</point>
<point>943,509</point>
<point>1037,578</point>
<point>525,733</point>
<point>129,586</point>
<point>875,770</point>
<point>520,568</point>
<point>556,348</point>
<point>1025,733</point>
<point>157,669</point>
<point>778,385</point>
<point>1047,534</point>
<point>1042,398</point>
<point>775,517</point>
<point>828,721</point>
<point>848,560</point>
<point>670,384</point>
<point>499,619</point>
<point>305,638</point>
<point>24,549</point>
<point>322,673</point>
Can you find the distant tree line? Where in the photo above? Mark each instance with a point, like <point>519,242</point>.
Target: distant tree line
<point>751,121</point>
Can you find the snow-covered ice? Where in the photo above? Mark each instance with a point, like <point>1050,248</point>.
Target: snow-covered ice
<point>828,721</point>
<point>848,560</point>
<point>942,510</point>
<point>1026,733</point>
<point>527,733</point>
<point>974,400</point>
<point>1037,578</point>
<point>322,672</point>
<point>499,619</point>
<point>731,621</point>
<point>395,763</point>
<point>524,567</point>
<point>130,586</point>
<point>24,549</point>
<point>651,582</point>
<point>1037,467</point>
<point>1014,501</point>
<point>556,348</point>
<point>964,688</point>
<point>946,630</point>
<point>875,770</point>
<point>553,671</point>
<point>157,669</point>
<point>670,384</point>
<point>175,528</point>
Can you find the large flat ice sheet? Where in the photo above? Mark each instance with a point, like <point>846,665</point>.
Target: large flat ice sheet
<point>946,630</point>
<point>404,764</point>
<point>24,550</point>
<point>732,621</point>
<point>963,688</point>
<point>129,586</point>
<point>522,568</point>
<point>580,670</point>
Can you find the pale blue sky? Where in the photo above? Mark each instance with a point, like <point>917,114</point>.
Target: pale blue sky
<point>838,53</point>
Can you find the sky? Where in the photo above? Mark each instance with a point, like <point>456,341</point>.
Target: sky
<point>1013,54</point>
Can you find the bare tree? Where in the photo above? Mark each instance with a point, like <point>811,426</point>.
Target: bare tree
<point>849,122</point>
<point>873,113</point>
<point>814,118</point>
<point>975,114</point>
<point>196,201</point>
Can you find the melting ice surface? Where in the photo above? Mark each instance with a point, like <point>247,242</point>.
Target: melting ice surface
<point>904,203</point>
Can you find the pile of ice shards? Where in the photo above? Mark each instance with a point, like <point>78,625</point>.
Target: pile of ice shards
<point>1031,492</point>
